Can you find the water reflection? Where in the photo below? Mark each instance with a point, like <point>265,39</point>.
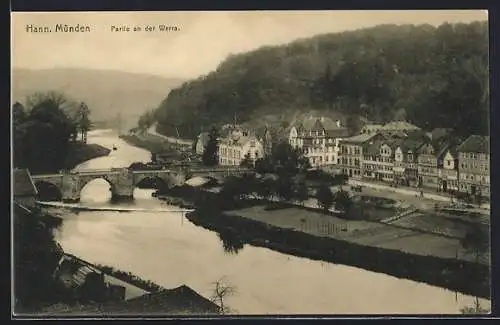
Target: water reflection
<point>231,242</point>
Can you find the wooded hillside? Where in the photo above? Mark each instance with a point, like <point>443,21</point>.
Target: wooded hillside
<point>431,76</point>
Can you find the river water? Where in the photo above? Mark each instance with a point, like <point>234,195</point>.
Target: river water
<point>168,249</point>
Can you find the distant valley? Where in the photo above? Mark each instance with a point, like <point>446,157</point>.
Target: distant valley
<point>107,93</point>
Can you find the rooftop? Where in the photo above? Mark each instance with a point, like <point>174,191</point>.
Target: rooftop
<point>23,183</point>
<point>178,301</point>
<point>239,140</point>
<point>326,123</point>
<point>360,138</point>
<point>475,143</point>
<point>400,125</point>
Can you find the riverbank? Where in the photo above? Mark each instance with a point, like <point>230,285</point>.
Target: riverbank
<point>140,296</point>
<point>81,152</point>
<point>463,276</point>
<point>415,254</point>
<point>146,142</point>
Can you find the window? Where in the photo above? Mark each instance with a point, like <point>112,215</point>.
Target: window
<point>448,163</point>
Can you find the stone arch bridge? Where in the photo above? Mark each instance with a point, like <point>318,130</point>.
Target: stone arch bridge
<point>123,181</point>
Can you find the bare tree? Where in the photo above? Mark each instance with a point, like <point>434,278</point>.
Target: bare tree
<point>222,290</point>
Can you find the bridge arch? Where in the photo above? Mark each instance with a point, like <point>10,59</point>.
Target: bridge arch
<point>85,181</point>
<point>48,191</point>
<point>165,179</point>
<point>152,182</point>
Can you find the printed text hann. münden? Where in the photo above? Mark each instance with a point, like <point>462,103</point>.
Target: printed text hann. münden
<point>58,28</point>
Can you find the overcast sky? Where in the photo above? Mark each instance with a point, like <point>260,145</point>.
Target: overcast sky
<point>204,39</point>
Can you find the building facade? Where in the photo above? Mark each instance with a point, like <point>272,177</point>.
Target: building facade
<point>351,153</point>
<point>448,171</point>
<point>406,163</point>
<point>234,148</point>
<point>318,138</point>
<point>474,166</point>
<point>427,166</point>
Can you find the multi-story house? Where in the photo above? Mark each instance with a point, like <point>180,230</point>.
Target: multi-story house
<point>235,147</point>
<point>351,153</point>
<point>474,165</point>
<point>318,138</point>
<point>378,160</point>
<point>406,163</point>
<point>430,160</point>
<point>427,166</point>
<point>448,170</point>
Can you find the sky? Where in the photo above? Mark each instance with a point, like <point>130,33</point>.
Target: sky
<point>203,41</point>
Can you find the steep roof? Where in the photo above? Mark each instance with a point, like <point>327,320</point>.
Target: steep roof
<point>411,144</point>
<point>372,148</point>
<point>178,301</point>
<point>337,133</point>
<point>361,138</point>
<point>371,127</point>
<point>475,143</point>
<point>315,122</point>
<point>180,298</point>
<point>438,133</point>
<point>400,125</point>
<point>238,140</point>
<point>23,183</point>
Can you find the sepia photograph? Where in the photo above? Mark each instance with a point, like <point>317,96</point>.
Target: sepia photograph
<point>236,163</point>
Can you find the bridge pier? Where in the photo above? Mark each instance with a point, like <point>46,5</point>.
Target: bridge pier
<point>122,193</point>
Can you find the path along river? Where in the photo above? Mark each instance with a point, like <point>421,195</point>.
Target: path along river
<point>168,249</point>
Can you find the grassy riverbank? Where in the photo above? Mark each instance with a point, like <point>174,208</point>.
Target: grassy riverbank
<point>81,152</point>
<point>406,253</point>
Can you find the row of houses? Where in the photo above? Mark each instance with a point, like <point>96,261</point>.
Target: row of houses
<point>397,152</point>
<point>414,158</point>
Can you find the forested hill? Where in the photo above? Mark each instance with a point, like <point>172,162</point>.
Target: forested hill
<point>432,76</point>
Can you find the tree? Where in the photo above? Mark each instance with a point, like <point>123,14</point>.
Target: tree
<point>250,184</point>
<point>222,290</point>
<point>210,154</point>
<point>83,121</point>
<point>301,192</point>
<point>36,255</point>
<point>19,114</point>
<point>354,124</point>
<point>343,201</point>
<point>263,165</point>
<point>476,241</point>
<point>266,187</point>
<point>247,161</point>
<point>42,138</point>
<point>475,309</point>
<point>233,189</point>
<point>284,188</point>
<point>325,197</point>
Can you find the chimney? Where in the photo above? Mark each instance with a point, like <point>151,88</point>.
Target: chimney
<point>322,119</point>
<point>338,123</point>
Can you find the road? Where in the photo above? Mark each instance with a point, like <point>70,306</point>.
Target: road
<point>409,194</point>
<point>152,131</point>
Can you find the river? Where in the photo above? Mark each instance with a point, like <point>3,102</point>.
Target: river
<point>169,250</point>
